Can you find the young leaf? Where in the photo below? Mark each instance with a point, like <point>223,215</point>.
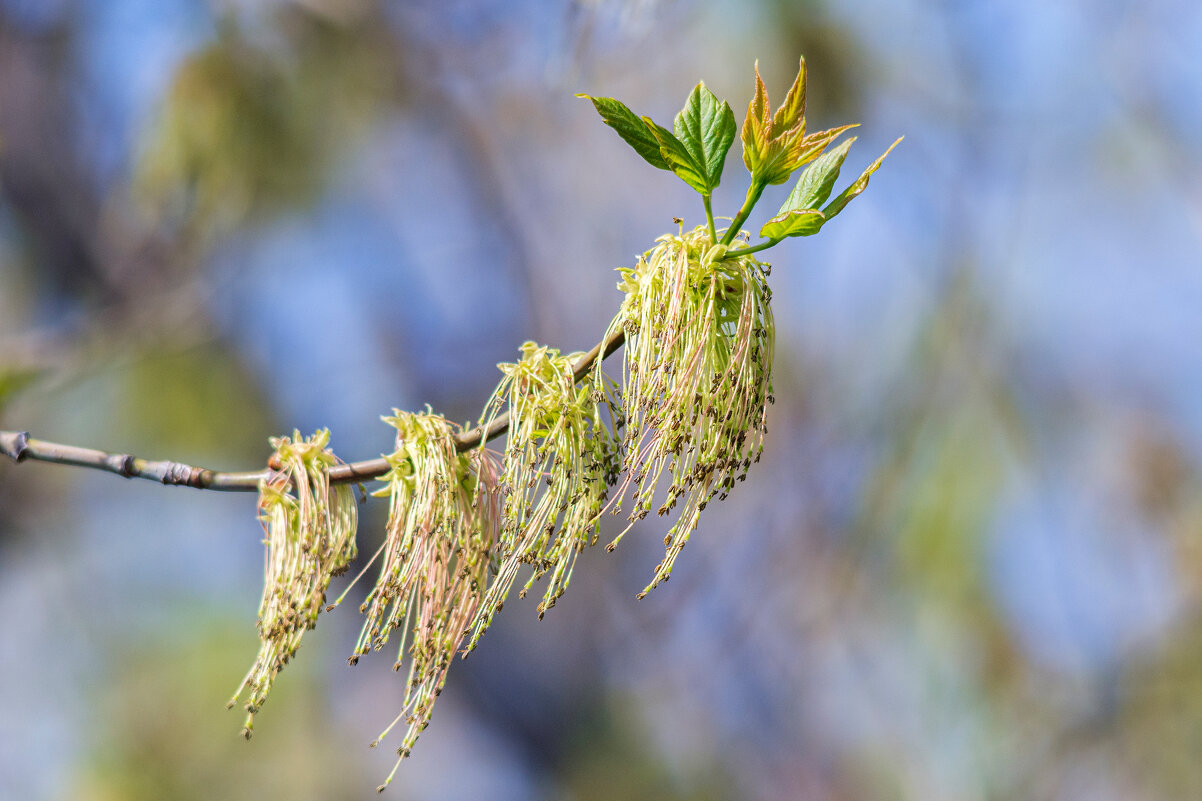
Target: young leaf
<point>679,159</point>
<point>773,147</point>
<point>706,127</point>
<point>632,129</point>
<point>858,186</point>
<point>756,126</point>
<point>793,110</point>
<point>797,222</point>
<point>801,150</point>
<point>815,184</point>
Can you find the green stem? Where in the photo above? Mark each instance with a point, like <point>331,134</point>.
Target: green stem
<point>709,217</point>
<point>733,254</point>
<point>753,195</point>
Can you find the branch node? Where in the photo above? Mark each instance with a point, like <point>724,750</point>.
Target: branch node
<point>177,474</point>
<point>122,464</point>
<point>16,446</point>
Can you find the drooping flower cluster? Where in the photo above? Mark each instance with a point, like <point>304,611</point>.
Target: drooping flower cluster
<point>309,530</point>
<point>434,565</point>
<point>560,461</point>
<point>697,378</point>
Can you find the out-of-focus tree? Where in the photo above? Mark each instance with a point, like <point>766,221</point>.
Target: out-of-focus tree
<point>968,566</point>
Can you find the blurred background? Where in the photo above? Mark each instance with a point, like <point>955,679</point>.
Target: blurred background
<point>968,567</point>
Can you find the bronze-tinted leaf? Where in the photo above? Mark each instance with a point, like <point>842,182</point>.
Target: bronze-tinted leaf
<point>793,110</point>
<point>757,126</point>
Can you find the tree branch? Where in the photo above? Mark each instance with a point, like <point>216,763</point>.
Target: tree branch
<point>20,446</point>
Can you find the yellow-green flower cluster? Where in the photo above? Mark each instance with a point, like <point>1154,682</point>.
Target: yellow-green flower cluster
<point>559,462</point>
<point>309,530</point>
<point>434,569</point>
<point>697,377</point>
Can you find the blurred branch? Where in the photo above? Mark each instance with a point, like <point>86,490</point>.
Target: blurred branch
<point>19,446</point>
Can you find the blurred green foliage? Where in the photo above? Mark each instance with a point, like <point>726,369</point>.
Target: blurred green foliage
<point>610,757</point>
<point>13,380</point>
<point>193,400</point>
<point>161,732</point>
<point>249,128</point>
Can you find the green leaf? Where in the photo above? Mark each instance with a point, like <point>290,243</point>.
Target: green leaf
<point>706,127</point>
<point>633,130</point>
<point>860,184</point>
<point>679,159</point>
<point>815,184</point>
<point>797,222</point>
